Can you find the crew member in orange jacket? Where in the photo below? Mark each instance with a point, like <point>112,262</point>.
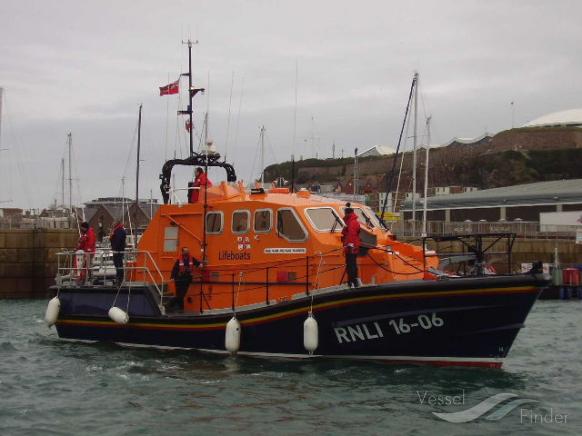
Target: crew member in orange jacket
<point>351,242</point>
<point>87,242</point>
<point>201,180</point>
<point>182,275</point>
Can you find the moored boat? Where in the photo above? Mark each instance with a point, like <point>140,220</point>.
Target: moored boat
<point>272,282</point>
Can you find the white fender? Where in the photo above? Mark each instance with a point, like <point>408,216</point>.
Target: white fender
<point>232,335</point>
<point>118,315</point>
<point>310,334</point>
<point>52,311</point>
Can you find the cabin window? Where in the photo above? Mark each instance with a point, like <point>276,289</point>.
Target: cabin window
<point>171,238</point>
<point>263,220</point>
<point>241,221</point>
<point>363,218</point>
<point>324,219</point>
<point>373,217</point>
<point>289,226</point>
<point>214,222</point>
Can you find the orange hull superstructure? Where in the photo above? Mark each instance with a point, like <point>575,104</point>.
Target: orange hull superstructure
<point>265,246</point>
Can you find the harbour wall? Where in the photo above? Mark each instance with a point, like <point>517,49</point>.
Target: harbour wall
<point>28,260</point>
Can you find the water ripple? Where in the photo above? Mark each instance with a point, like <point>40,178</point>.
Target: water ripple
<point>49,386</point>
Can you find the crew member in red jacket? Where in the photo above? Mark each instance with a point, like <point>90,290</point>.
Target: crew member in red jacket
<point>351,241</point>
<point>201,180</point>
<point>87,242</point>
<point>182,276</point>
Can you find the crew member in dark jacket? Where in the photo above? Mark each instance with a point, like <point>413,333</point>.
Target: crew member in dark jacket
<point>182,276</point>
<point>351,242</point>
<point>117,239</point>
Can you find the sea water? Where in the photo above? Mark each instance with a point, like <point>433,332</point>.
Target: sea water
<point>54,387</point>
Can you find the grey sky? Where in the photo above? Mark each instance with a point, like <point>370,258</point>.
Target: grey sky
<point>85,67</point>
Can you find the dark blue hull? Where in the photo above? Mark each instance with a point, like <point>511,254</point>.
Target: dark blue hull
<point>457,321</point>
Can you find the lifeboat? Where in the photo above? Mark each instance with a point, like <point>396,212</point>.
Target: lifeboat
<point>272,282</point>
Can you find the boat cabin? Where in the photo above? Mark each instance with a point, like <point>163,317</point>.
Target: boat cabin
<point>263,246</point>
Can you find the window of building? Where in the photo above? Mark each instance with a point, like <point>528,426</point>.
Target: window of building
<point>263,220</point>
<point>214,222</point>
<point>171,238</point>
<point>289,226</point>
<point>241,221</point>
<point>324,219</point>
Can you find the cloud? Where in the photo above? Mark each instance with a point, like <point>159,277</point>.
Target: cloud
<point>85,68</point>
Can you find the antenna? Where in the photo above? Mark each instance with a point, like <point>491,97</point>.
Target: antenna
<point>228,120</point>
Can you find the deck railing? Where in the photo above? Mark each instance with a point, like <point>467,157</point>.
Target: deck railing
<point>98,267</point>
<point>523,229</point>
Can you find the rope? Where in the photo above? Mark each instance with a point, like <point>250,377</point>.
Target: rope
<point>116,295</point>
<point>240,276</point>
<point>394,272</point>
<point>317,273</point>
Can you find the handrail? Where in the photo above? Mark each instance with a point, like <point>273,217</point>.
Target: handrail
<point>67,270</point>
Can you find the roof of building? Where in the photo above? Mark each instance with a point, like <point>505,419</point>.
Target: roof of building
<point>468,140</point>
<point>378,150</point>
<point>553,192</point>
<point>572,117</point>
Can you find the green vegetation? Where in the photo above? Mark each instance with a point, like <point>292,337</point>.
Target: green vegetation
<point>516,167</point>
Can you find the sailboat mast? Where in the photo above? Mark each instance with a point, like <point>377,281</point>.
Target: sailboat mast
<point>70,144</point>
<point>123,200</point>
<point>262,155</point>
<point>426,177</point>
<point>63,182</point>
<point>414,140</point>
<point>1,97</point>
<point>137,162</point>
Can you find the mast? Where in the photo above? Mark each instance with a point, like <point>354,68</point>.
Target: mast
<point>1,99</point>
<point>137,162</point>
<point>262,155</point>
<point>190,96</point>
<point>191,93</point>
<point>123,199</point>
<point>414,140</point>
<point>70,144</point>
<point>295,112</point>
<point>426,176</point>
<point>204,238</point>
<point>63,182</point>
<point>292,173</point>
<point>390,178</point>
<point>355,183</point>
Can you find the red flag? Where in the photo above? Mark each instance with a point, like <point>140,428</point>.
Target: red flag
<point>172,88</point>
